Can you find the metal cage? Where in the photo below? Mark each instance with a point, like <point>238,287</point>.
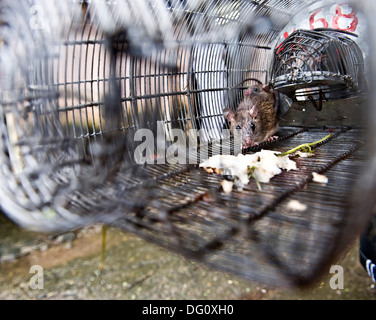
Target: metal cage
<point>316,65</point>
<point>79,80</point>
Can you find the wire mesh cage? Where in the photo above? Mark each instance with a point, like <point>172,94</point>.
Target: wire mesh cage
<point>85,84</point>
<point>318,64</point>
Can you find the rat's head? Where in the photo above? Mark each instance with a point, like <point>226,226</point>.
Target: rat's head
<point>248,122</point>
<point>259,90</point>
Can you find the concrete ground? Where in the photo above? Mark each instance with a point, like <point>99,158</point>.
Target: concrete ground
<point>135,269</point>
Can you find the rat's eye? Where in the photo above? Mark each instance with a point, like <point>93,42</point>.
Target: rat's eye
<point>253,127</point>
<point>255,89</point>
<point>238,127</point>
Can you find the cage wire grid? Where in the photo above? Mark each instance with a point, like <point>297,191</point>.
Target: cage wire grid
<point>321,61</point>
<point>79,79</point>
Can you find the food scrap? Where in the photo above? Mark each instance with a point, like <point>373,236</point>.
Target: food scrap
<point>295,205</point>
<point>303,154</point>
<point>265,164</point>
<point>262,166</point>
<point>307,147</point>
<point>227,185</point>
<point>319,178</point>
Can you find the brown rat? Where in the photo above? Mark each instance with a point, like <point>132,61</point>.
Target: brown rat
<point>256,115</point>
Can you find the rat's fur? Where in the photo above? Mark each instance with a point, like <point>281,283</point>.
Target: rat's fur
<point>256,115</point>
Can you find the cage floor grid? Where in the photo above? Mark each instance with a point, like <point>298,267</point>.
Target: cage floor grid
<point>251,232</point>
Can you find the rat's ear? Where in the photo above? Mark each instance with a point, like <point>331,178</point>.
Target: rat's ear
<point>266,88</point>
<point>229,114</point>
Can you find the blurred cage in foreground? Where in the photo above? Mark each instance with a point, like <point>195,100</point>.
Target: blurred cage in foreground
<point>78,80</point>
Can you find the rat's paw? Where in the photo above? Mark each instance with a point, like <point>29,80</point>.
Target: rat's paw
<point>249,145</point>
<point>272,138</point>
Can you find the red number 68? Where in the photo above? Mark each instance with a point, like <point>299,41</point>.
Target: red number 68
<point>341,21</point>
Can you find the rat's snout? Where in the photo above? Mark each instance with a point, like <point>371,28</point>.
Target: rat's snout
<point>247,142</point>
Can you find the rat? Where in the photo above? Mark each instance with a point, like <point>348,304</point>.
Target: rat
<point>256,116</point>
